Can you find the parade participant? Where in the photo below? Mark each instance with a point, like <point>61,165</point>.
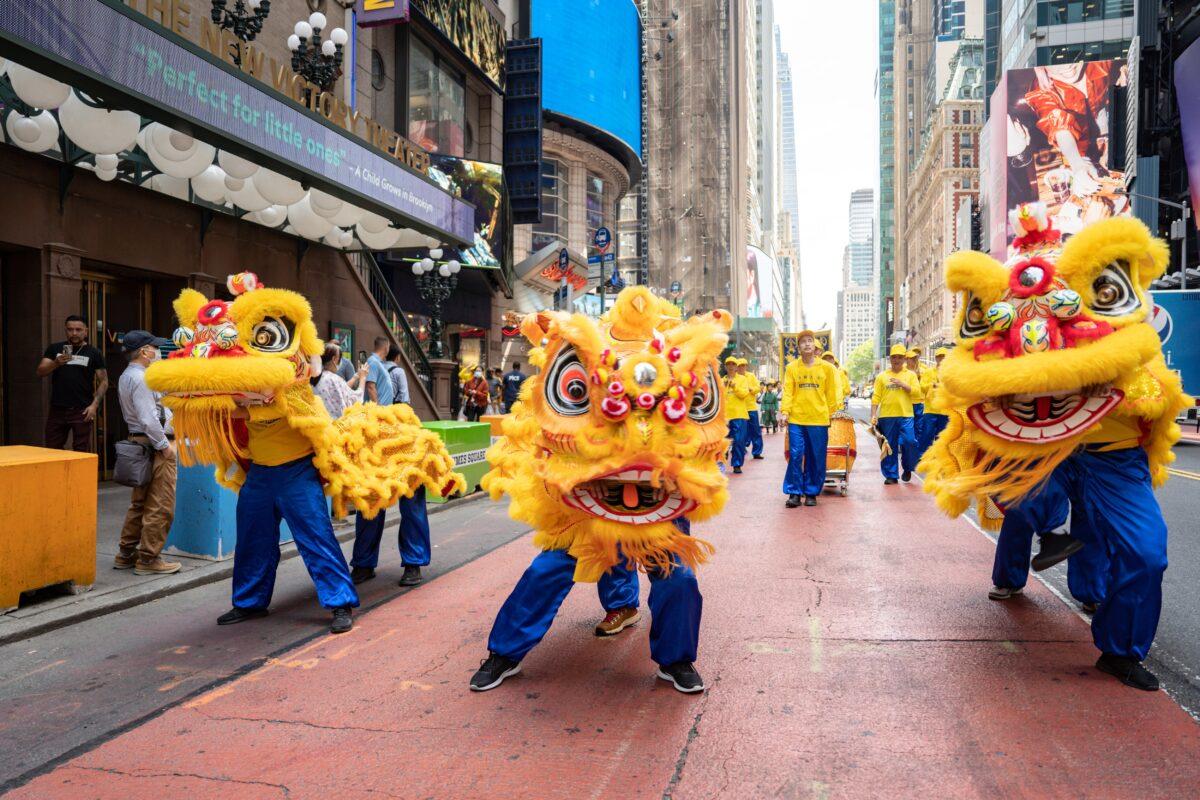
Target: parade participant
<point>239,388</point>
<point>811,393</point>
<point>892,414</point>
<point>934,420</point>
<point>737,391</point>
<point>1057,375</point>
<point>643,385</point>
<point>843,377</point>
<point>753,423</point>
<point>913,364</point>
<point>770,407</point>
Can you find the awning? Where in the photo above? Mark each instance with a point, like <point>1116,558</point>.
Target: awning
<point>111,51</point>
<point>539,276</point>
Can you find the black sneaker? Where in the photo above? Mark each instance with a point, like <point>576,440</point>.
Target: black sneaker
<point>411,577</point>
<point>757,458</point>
<point>1128,671</point>
<point>361,574</point>
<point>809,500</point>
<point>683,676</point>
<point>890,481</point>
<point>906,476</point>
<point>492,672</point>
<point>793,501</point>
<point>342,621</point>
<point>235,615</point>
<point>1055,547</point>
<point>737,470</point>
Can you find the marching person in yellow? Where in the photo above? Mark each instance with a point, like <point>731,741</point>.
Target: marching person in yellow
<point>754,424</point>
<point>896,389</point>
<point>811,394</point>
<point>737,393</point>
<point>843,377</point>
<point>933,421</point>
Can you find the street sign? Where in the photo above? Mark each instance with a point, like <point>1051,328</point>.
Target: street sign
<point>676,287</point>
<point>607,258</point>
<point>564,259</point>
<point>603,239</point>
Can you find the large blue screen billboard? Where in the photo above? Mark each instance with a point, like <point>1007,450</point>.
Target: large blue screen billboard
<point>590,65</point>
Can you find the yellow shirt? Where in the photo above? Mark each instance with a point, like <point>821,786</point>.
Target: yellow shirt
<point>273,441</point>
<point>892,400</point>
<point>755,391</point>
<point>737,392</point>
<point>929,384</point>
<point>844,381</point>
<point>1115,429</point>
<point>810,393</point>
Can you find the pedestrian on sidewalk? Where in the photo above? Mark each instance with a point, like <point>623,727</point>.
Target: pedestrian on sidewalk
<point>811,392</point>
<point>737,392</point>
<point>398,376</point>
<point>151,507</point>
<point>512,382</point>
<point>475,394</point>
<point>342,365</point>
<point>413,537</point>
<point>335,393</point>
<point>892,414</point>
<point>495,384</point>
<point>753,422</point>
<point>770,407</point>
<point>78,383</point>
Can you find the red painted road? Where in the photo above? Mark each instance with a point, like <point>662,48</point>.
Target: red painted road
<point>850,651</point>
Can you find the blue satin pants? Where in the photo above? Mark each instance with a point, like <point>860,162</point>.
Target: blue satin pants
<point>754,434</point>
<point>739,438</point>
<point>932,426</point>
<point>901,437</point>
<point>413,535</point>
<point>807,448</point>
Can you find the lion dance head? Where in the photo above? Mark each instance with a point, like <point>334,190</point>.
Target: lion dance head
<point>620,433</point>
<point>1053,343</point>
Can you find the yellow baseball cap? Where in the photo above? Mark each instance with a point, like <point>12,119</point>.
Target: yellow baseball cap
<point>898,350</point>
<point>804,333</point>
<point>913,353</point>
<point>743,362</point>
<point>941,351</point>
<point>731,359</point>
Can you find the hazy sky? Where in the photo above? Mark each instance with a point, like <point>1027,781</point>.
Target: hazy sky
<point>833,48</point>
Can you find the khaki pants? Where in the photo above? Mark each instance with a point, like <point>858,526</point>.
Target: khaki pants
<point>151,511</point>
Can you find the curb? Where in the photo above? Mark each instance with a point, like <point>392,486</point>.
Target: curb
<point>200,577</point>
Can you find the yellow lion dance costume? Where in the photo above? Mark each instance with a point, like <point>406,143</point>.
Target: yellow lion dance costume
<point>1053,344</point>
<point>258,349</point>
<point>620,433</point>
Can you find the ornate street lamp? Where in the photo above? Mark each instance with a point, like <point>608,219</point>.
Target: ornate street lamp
<point>435,283</point>
<point>245,21</point>
<point>319,62</point>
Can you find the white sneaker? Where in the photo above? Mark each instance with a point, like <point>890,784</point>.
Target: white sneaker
<point>1003,593</point>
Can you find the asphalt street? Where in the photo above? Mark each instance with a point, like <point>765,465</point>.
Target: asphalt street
<point>70,689</point>
<point>1175,657</point>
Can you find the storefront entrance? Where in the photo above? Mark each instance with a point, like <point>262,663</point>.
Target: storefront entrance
<point>112,306</point>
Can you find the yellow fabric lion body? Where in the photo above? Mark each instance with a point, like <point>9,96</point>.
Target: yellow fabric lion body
<point>620,433</point>
<point>1054,352</point>
<point>257,351</point>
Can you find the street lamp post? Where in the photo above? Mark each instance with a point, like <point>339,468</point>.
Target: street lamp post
<point>319,62</point>
<point>435,284</point>
<point>245,21</point>
<point>1178,229</point>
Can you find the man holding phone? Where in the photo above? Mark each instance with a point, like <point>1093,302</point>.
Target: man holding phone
<point>78,382</point>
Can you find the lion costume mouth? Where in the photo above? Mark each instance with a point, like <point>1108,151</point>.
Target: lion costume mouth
<point>628,496</point>
<point>1042,418</point>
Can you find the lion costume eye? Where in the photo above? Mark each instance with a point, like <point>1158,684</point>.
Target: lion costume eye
<point>974,322</point>
<point>566,386</point>
<point>1113,294</point>
<point>272,335</point>
<point>706,402</point>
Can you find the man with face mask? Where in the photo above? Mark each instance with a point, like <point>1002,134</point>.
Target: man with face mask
<point>475,395</point>
<point>152,507</point>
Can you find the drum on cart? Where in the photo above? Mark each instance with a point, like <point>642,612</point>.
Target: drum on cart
<point>841,452</point>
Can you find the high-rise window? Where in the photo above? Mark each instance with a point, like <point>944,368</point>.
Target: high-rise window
<point>553,227</point>
<point>596,212</point>
<point>436,102</point>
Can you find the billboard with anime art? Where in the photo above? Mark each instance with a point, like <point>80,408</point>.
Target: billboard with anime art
<point>1052,142</point>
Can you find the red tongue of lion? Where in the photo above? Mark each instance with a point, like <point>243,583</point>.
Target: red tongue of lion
<point>1043,407</point>
<point>629,495</point>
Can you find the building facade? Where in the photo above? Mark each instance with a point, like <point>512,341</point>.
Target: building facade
<point>945,177</point>
<point>856,320</point>
<point>788,186</point>
<point>857,300</point>
<point>885,218</point>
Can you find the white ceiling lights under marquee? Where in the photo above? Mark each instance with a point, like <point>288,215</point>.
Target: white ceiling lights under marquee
<point>36,89</point>
<point>96,129</point>
<point>175,153</point>
<point>277,188</point>
<point>36,134</point>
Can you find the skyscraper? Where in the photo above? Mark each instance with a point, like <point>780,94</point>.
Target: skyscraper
<point>862,236</point>
<point>857,312</point>
<point>787,171</point>
<point>885,256</point>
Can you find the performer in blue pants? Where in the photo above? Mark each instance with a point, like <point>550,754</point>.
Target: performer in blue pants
<point>932,425</point>
<point>754,434</point>
<point>292,492</point>
<point>893,400</point>
<point>1124,520</point>
<point>807,446</point>
<point>525,618</point>
<point>902,439</point>
<point>738,440</point>
<point>618,589</point>
<point>1042,512</point>
<point>413,541</point>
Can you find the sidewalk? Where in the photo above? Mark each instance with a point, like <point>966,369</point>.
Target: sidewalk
<point>849,649</point>
<point>116,590</point>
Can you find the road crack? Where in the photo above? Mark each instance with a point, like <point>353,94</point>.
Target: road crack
<point>216,778</point>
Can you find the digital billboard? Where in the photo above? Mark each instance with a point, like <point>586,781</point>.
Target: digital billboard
<point>590,64</point>
<point>1054,142</point>
<point>760,272</point>
<point>1187,95</point>
<point>482,185</point>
